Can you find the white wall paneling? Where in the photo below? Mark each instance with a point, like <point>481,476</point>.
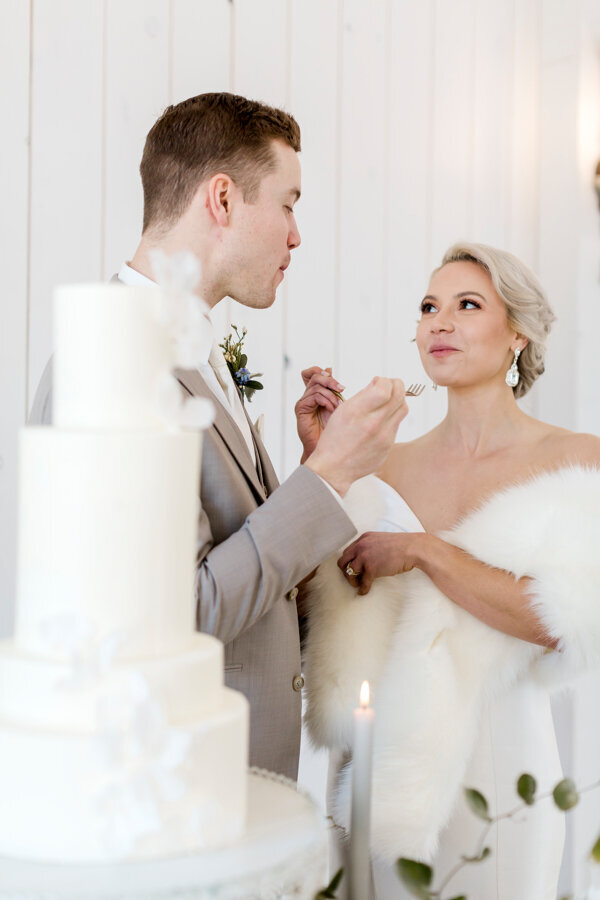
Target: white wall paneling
<point>522,231</point>
<point>66,152</point>
<point>200,60</point>
<point>492,122</point>
<point>260,71</point>
<point>559,206</point>
<point>312,301</point>
<point>136,92</point>
<point>14,225</point>
<point>408,191</point>
<point>363,199</point>
<point>455,77</point>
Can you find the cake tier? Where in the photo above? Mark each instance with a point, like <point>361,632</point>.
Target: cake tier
<point>48,693</point>
<point>133,791</point>
<point>106,540</point>
<point>283,854</point>
<point>111,350</point>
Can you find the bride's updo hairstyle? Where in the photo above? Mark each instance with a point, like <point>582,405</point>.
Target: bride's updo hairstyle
<point>526,303</point>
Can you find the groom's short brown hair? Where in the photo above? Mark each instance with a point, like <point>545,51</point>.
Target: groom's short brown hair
<point>202,136</point>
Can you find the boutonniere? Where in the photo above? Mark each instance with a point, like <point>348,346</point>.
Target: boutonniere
<point>237,362</point>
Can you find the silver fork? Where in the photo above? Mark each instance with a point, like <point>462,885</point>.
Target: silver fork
<point>415,390</point>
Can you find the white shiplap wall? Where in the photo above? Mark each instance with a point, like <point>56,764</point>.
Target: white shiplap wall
<point>423,122</point>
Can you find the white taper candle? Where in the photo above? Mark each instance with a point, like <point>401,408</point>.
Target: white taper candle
<point>360,821</point>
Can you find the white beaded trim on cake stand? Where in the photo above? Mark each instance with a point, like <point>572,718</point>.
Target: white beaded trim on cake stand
<point>299,876</point>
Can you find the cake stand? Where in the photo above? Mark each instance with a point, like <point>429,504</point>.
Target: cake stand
<point>283,854</point>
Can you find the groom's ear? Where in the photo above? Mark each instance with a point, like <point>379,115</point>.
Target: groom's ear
<point>219,198</point>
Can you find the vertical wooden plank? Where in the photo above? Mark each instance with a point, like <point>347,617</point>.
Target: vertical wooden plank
<point>524,181</point>
<point>200,45</point>
<point>588,414</point>
<point>558,210</point>
<point>363,163</point>
<point>136,93</point>
<point>410,35</point>
<point>451,145</point>
<point>585,735</point>
<point>200,61</point>
<point>66,147</point>
<point>14,189</point>
<point>492,123</point>
<point>260,72</point>
<point>310,332</point>
<point>261,50</point>
<point>453,112</point>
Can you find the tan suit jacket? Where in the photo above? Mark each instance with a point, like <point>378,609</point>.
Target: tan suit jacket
<point>251,554</point>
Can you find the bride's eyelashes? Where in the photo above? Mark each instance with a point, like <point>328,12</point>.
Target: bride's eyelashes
<point>465,303</point>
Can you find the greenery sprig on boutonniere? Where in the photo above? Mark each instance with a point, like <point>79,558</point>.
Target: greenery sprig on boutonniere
<point>237,361</point>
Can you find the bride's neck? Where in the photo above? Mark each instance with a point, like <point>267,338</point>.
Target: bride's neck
<point>481,420</point>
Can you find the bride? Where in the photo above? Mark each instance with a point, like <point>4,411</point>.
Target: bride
<point>472,588</point>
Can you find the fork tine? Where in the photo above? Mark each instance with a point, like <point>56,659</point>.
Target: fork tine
<point>415,390</point>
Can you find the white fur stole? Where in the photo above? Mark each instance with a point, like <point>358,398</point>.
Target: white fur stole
<point>431,665</point>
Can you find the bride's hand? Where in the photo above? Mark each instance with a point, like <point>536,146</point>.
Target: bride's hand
<point>315,406</point>
<point>376,554</point>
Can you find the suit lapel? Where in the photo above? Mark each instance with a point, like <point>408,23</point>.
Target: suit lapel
<point>264,465</point>
<point>224,424</point>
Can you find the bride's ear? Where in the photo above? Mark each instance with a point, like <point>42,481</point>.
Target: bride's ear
<point>520,343</point>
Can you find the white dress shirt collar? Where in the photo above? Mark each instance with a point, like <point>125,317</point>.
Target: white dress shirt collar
<point>221,384</point>
<point>130,276</point>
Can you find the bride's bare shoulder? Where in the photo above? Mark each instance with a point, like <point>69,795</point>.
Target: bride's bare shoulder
<point>572,447</point>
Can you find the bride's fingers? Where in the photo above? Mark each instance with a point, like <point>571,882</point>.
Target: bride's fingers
<point>366,581</point>
<point>345,558</point>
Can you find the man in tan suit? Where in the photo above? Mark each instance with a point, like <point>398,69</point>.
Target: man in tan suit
<point>221,177</point>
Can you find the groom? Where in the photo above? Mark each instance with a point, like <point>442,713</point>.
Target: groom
<point>221,177</point>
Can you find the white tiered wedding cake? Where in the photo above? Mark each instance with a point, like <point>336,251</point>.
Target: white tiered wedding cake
<point>118,739</point>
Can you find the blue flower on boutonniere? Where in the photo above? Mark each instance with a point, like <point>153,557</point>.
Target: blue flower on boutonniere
<point>237,362</point>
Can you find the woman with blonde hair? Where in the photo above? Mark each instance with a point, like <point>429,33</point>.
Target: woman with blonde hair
<point>473,583</point>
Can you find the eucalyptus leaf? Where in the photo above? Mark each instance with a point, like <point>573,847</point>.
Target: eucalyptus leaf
<point>462,897</point>
<point>328,893</point>
<point>595,851</point>
<point>415,876</point>
<point>526,788</point>
<point>475,859</point>
<point>478,804</point>
<point>253,385</point>
<point>243,361</point>
<point>565,794</point>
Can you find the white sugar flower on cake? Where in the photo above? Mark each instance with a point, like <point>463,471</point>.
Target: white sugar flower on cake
<point>75,639</point>
<point>180,309</point>
<point>184,314</point>
<point>177,410</point>
<point>142,755</point>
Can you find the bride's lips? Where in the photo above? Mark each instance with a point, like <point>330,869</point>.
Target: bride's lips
<point>439,350</point>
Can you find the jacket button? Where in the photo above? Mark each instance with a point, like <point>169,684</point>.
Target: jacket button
<point>293,594</point>
<point>297,682</point>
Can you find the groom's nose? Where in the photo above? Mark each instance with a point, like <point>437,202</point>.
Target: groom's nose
<point>294,239</point>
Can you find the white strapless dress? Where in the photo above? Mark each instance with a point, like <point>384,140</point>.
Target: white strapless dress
<point>516,735</point>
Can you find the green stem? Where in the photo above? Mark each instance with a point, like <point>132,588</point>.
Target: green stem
<point>494,821</point>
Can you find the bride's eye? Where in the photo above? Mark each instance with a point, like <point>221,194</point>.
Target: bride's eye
<point>427,307</point>
<point>469,304</point>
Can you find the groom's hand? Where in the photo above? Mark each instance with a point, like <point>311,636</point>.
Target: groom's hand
<point>315,406</point>
<point>360,434</point>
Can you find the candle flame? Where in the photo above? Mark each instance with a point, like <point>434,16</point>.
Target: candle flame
<point>365,694</point>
